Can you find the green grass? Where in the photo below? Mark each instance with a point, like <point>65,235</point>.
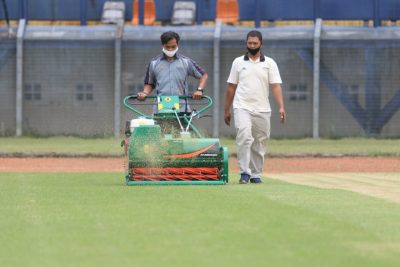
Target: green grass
<point>292,147</point>
<point>61,146</point>
<point>329,147</point>
<point>94,220</point>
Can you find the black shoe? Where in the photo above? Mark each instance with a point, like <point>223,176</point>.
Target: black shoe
<point>255,180</point>
<point>244,178</point>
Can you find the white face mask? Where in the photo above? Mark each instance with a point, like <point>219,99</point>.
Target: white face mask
<point>170,53</point>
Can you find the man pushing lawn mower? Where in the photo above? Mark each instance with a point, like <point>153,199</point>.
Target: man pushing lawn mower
<point>167,73</point>
<point>165,147</point>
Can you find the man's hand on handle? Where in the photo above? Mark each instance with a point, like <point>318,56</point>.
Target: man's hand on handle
<point>197,95</point>
<point>141,96</point>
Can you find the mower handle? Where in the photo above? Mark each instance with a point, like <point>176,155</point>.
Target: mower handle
<point>128,106</point>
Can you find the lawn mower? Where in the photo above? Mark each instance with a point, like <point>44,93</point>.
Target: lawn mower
<point>165,148</point>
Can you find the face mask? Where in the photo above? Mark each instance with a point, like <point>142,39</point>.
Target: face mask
<point>170,53</point>
<point>253,51</point>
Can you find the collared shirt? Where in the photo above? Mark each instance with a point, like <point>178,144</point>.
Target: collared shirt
<point>170,77</point>
<point>253,79</point>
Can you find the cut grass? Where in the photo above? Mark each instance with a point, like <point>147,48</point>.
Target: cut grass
<point>94,220</point>
<point>74,146</point>
<point>64,146</point>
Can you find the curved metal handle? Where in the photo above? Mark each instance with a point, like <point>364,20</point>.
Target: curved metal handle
<point>129,106</point>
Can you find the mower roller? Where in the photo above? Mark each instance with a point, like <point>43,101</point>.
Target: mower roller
<point>165,148</point>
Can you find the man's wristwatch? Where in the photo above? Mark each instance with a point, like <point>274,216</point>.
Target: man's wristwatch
<point>200,89</point>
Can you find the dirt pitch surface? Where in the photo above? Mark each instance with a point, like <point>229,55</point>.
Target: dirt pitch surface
<point>272,165</point>
<point>374,176</point>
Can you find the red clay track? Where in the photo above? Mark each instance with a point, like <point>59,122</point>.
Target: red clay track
<point>272,165</point>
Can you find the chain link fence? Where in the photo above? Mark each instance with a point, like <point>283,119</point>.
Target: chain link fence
<point>68,76</point>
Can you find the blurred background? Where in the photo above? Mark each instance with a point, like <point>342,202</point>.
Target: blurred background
<point>65,66</point>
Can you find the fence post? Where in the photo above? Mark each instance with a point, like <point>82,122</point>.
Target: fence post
<point>316,62</point>
<point>216,85</point>
<point>117,78</point>
<point>373,92</point>
<point>19,77</point>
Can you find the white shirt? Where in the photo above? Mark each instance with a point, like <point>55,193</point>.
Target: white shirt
<point>253,79</point>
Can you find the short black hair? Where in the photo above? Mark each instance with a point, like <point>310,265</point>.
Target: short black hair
<point>168,36</point>
<point>254,34</point>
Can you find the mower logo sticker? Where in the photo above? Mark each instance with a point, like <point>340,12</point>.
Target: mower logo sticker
<point>208,155</point>
<point>190,154</point>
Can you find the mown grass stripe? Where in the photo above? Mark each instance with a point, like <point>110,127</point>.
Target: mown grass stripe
<point>95,220</point>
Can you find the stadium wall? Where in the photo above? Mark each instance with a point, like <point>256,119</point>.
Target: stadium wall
<point>69,77</point>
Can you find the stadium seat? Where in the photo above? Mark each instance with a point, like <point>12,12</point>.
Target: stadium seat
<point>149,12</point>
<point>184,13</point>
<point>113,12</point>
<point>228,11</point>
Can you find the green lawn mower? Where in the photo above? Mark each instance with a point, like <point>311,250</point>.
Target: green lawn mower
<point>165,148</point>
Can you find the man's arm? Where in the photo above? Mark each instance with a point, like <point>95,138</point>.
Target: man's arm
<point>202,84</point>
<point>146,91</point>
<point>230,93</point>
<point>203,80</point>
<point>277,91</point>
<point>149,80</point>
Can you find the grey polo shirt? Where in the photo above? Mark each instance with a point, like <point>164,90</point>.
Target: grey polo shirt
<point>170,77</point>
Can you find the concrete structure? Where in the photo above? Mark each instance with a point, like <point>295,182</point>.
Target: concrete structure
<point>69,78</point>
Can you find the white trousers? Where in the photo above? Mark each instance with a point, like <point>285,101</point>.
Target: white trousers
<point>252,133</point>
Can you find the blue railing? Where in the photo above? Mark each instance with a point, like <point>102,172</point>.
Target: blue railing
<point>253,10</point>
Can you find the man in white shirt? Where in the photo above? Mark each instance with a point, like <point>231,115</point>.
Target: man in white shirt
<point>248,89</point>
